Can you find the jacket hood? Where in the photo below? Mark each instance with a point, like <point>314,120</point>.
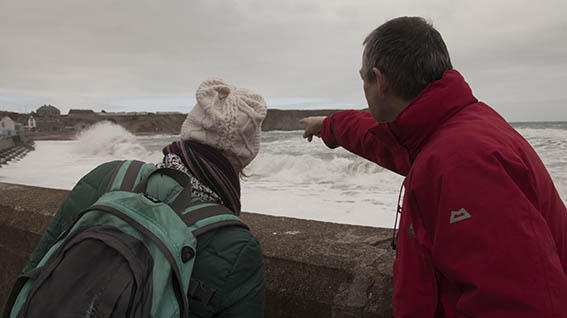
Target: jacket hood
<point>439,101</point>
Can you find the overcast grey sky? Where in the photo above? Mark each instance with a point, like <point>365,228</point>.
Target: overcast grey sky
<point>151,55</point>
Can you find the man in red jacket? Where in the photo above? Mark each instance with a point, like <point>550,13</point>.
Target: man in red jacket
<point>482,230</point>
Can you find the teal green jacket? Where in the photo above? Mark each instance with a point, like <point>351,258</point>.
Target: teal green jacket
<point>228,260</point>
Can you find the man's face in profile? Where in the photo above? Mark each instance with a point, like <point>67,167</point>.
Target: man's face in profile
<point>371,93</point>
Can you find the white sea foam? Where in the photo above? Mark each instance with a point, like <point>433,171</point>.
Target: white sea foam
<point>551,146</point>
<point>290,177</point>
<point>308,168</point>
<point>336,189</point>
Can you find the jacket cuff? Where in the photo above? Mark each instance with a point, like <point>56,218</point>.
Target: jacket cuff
<point>327,132</point>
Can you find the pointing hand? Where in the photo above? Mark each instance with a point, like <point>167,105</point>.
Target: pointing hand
<point>312,126</point>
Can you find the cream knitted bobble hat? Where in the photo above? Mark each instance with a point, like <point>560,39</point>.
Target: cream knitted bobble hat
<point>227,118</point>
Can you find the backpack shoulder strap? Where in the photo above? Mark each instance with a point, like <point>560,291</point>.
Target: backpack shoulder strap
<point>128,176</point>
<point>125,175</point>
<point>180,177</point>
<point>132,176</point>
<point>202,217</point>
<point>183,199</point>
<point>18,285</point>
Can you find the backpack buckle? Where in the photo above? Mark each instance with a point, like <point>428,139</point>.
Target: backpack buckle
<point>198,291</point>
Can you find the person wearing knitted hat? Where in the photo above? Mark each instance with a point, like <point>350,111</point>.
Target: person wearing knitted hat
<point>219,138</point>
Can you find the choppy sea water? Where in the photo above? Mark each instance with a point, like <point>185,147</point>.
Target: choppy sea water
<point>290,177</point>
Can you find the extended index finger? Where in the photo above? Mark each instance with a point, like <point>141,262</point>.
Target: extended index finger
<point>304,121</point>
<point>307,132</point>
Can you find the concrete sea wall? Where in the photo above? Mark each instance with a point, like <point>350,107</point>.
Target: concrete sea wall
<point>313,269</point>
<point>6,142</point>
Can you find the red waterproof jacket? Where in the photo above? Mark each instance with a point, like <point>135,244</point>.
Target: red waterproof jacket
<point>483,229</point>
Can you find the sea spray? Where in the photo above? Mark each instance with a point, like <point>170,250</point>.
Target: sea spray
<point>60,164</point>
<point>106,139</point>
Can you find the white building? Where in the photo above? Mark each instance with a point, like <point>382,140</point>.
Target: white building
<point>7,126</point>
<point>31,123</point>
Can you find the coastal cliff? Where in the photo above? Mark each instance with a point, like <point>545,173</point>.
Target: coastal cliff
<point>57,126</point>
<point>277,119</point>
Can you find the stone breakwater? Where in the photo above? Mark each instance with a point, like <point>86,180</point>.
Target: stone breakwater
<point>13,148</point>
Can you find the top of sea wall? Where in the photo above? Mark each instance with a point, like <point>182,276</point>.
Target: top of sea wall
<point>313,269</point>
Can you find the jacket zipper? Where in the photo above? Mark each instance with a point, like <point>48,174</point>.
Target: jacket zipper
<point>398,212</point>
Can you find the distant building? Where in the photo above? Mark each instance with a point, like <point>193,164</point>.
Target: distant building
<point>48,118</point>
<point>7,126</point>
<point>31,123</point>
<point>48,111</point>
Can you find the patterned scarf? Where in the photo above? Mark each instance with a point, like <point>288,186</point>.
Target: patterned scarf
<point>210,167</point>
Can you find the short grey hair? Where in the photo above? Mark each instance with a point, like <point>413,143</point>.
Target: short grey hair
<point>409,52</point>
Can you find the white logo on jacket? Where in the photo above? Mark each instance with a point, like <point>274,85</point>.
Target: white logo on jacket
<point>458,216</point>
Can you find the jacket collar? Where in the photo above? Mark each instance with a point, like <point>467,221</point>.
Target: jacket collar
<point>438,102</point>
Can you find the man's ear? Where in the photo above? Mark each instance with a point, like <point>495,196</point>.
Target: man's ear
<point>382,81</point>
